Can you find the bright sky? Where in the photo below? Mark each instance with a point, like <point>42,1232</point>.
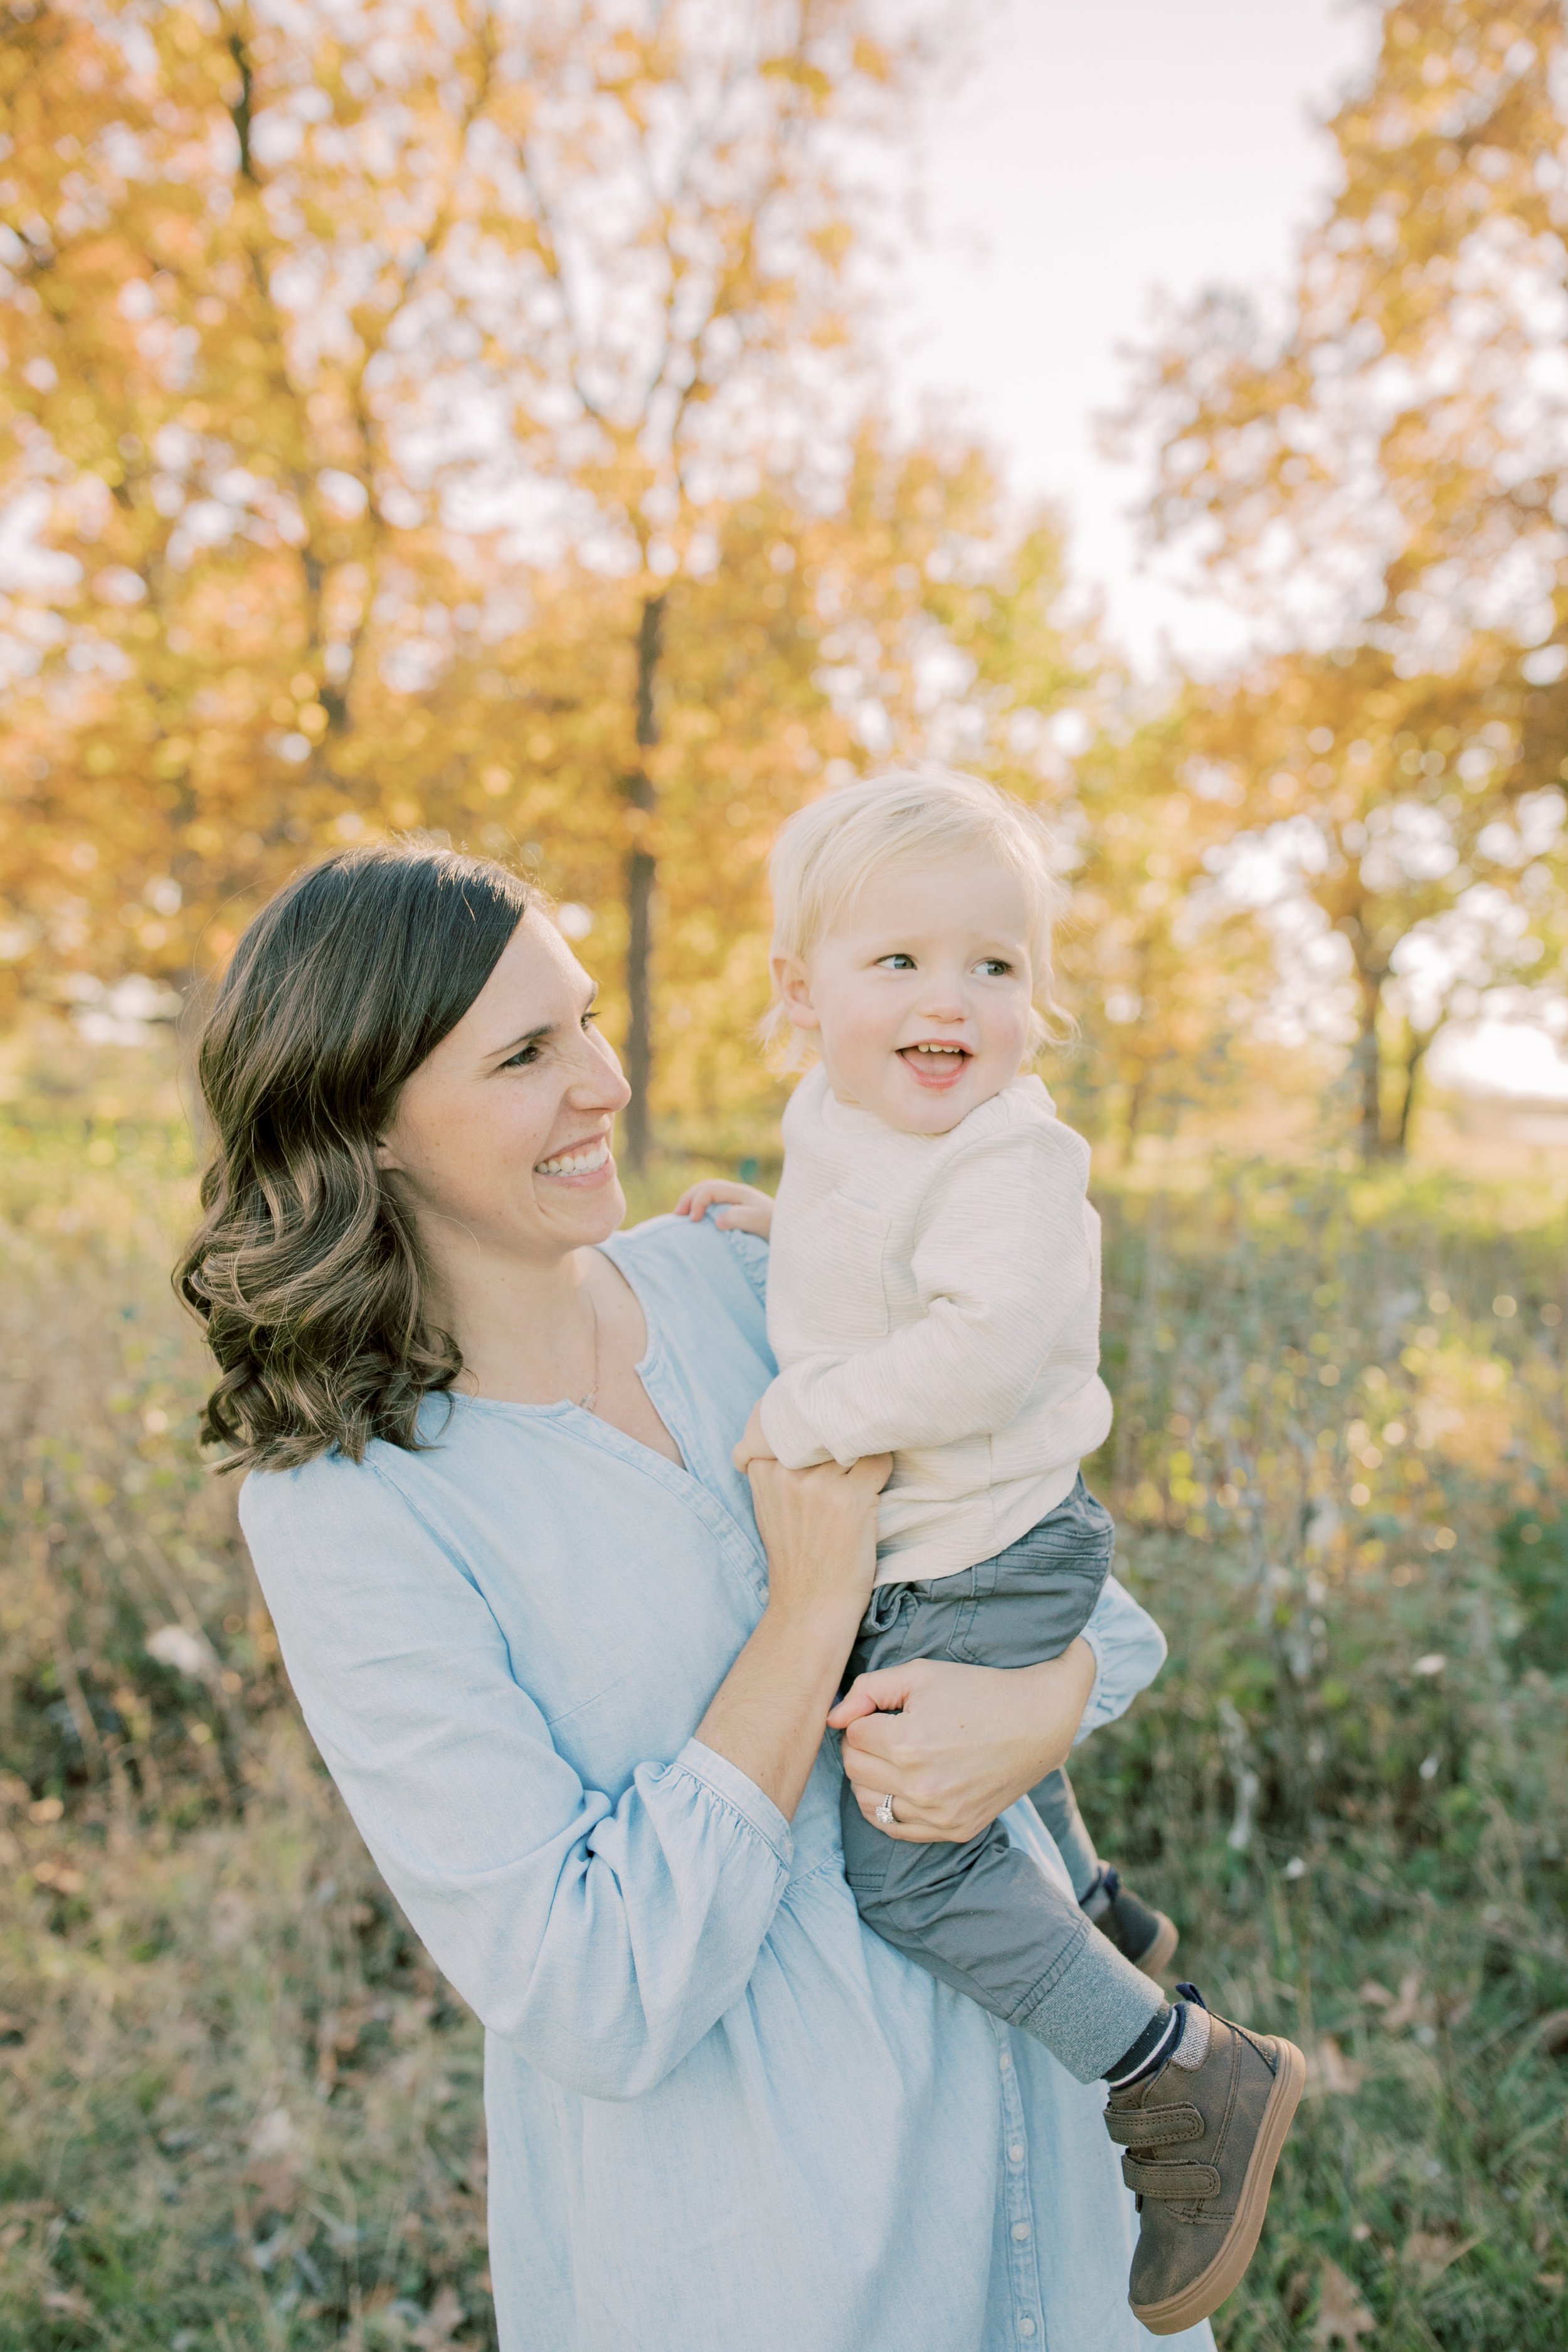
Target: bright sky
<point>1101,151</point>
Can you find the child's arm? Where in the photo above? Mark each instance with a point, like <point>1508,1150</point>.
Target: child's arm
<point>1004,1259</point>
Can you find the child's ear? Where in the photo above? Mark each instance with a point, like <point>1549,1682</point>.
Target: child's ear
<point>793,986</point>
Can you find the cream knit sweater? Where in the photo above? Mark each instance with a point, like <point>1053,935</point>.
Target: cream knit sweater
<point>938,1297</point>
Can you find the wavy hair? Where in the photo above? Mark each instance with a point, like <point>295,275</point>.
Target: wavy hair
<point>305,1269</point>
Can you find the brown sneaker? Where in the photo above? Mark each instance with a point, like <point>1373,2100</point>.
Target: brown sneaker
<point>1140,1933</point>
<point>1201,2146</point>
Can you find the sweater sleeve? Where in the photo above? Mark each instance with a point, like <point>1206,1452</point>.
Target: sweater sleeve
<point>602,1939</point>
<point>1002,1261</point>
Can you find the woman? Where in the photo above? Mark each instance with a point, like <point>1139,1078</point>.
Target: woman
<point>575,1712</point>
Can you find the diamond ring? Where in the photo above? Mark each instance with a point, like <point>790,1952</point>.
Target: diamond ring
<point>885,1812</point>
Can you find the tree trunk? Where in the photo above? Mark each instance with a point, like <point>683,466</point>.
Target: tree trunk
<point>1413,1061</point>
<point>639,895</point>
<point>1369,1065</point>
<point>1132,1119</point>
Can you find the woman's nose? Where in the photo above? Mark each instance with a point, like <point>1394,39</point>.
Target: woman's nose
<point>600,1084</point>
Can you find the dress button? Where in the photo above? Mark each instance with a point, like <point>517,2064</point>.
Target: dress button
<point>1007,2060</point>
<point>1025,2326</point>
<point>1016,2151</point>
<point>1020,2231</point>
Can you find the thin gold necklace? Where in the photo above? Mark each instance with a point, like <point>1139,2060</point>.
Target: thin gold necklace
<point>590,1398</point>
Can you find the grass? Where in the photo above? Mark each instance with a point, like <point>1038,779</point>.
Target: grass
<point>240,2109</point>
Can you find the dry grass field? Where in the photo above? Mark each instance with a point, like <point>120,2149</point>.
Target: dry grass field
<point>241,2110</point>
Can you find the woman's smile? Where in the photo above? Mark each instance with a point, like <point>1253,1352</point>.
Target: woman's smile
<point>584,1165</point>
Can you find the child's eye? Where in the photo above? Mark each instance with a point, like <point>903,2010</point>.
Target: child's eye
<point>899,962</point>
<point>993,968</point>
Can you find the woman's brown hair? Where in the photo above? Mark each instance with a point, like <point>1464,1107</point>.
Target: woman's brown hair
<point>305,1269</point>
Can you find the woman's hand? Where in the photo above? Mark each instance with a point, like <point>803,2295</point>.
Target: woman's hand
<point>819,1526</point>
<point>744,1208</point>
<point>968,1741</point>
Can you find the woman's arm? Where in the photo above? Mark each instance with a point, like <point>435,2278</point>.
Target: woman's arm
<point>820,1530</point>
<point>602,1938</point>
<point>966,1742</point>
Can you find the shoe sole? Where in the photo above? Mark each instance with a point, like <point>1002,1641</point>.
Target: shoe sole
<point>1161,1951</point>
<point>1225,2274</point>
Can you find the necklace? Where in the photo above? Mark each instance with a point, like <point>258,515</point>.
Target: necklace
<point>590,1397</point>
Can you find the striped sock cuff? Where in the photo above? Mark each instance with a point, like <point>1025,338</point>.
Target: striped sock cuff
<point>1150,2051</point>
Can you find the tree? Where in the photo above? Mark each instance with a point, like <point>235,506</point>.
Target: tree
<point>1382,474</point>
<point>1169,973</point>
<point>1373,796</point>
<point>680,190</point>
<point>1383,458</point>
<point>338,344</point>
<point>222,312</point>
<point>909,614</point>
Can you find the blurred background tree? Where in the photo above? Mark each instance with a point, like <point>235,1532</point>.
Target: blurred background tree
<point>1383,470</point>
<point>1171,972</point>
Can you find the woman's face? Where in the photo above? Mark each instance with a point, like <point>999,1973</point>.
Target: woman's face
<point>502,1137</point>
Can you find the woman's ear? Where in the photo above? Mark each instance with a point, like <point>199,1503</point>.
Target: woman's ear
<point>793,986</point>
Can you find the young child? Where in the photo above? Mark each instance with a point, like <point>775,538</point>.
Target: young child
<point>933,1292</point>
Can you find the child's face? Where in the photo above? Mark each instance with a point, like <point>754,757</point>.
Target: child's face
<point>919,998</point>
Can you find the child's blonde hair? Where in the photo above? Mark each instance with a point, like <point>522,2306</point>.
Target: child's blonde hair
<point>828,852</point>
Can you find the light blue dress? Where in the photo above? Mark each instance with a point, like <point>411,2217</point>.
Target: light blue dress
<point>720,2112</point>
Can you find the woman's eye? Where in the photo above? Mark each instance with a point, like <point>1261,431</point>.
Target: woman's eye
<point>896,963</point>
<point>520,1061</point>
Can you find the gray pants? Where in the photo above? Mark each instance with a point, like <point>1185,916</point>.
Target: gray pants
<point>981,1916</point>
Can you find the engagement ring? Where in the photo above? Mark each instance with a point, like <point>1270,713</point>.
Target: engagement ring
<point>885,1812</point>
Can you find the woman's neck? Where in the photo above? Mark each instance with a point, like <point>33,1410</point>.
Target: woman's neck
<point>526,1329</point>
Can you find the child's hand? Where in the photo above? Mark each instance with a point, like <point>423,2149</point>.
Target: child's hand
<point>745,1208</point>
<point>752,1445</point>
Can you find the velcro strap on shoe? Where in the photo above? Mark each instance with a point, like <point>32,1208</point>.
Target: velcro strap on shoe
<point>1180,2183</point>
<point>1152,2127</point>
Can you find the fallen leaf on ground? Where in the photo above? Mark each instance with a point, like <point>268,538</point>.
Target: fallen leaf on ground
<point>1429,2254</point>
<point>1343,2316</point>
<point>1329,2070</point>
<point>1404,2011</point>
<point>66,2299</point>
<point>443,2318</point>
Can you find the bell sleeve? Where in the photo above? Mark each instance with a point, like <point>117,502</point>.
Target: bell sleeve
<point>601,1938</point>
